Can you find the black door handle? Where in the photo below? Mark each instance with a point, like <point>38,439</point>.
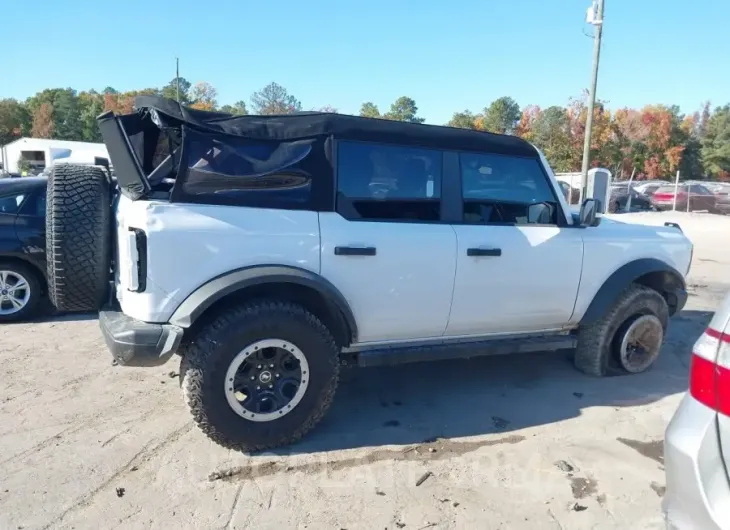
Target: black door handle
<point>354,251</point>
<point>483,251</point>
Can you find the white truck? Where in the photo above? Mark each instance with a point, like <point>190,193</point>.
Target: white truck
<point>266,251</point>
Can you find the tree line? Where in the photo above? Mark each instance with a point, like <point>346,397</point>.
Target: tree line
<point>651,142</point>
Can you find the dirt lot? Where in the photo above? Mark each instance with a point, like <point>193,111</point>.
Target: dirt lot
<point>518,442</point>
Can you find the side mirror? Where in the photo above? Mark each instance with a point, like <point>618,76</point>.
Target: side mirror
<point>589,212</point>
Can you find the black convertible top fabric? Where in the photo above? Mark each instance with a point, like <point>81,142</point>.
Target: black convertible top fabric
<point>317,124</point>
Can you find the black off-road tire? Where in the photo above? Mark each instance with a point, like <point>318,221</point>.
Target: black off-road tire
<point>207,358</point>
<point>32,276</point>
<point>78,237</point>
<point>596,352</point>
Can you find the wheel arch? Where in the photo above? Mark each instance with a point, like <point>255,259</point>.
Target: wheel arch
<point>301,286</point>
<point>32,265</point>
<point>650,272</point>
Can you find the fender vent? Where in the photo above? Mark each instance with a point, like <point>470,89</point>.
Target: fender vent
<point>139,240</point>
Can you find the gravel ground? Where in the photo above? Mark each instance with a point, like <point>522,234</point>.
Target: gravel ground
<point>522,442</point>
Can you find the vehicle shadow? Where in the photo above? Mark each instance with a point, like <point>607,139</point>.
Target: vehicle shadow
<point>413,403</point>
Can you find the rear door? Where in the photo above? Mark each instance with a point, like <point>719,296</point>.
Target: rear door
<point>518,264</point>
<point>386,247</point>
<point>30,227</point>
<point>701,198</point>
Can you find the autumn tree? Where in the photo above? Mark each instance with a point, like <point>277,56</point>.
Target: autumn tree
<point>464,120</point>
<point>369,110</point>
<point>203,96</point>
<point>525,125</point>
<point>14,120</point>
<point>274,99</point>
<point>43,126</point>
<point>237,109</point>
<point>501,116</point>
<point>716,143</point>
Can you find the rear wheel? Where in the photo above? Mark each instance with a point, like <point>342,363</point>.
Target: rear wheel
<point>78,225</point>
<point>260,376</point>
<point>628,338</point>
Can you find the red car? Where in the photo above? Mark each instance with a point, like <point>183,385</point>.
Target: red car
<point>698,197</point>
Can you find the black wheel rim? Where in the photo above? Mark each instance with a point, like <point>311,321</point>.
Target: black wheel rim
<point>266,380</point>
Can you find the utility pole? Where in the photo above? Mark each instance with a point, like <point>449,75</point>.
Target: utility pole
<point>177,78</point>
<point>595,17</point>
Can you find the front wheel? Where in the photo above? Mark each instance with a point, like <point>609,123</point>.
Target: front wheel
<point>628,338</point>
<point>20,291</point>
<point>260,376</point>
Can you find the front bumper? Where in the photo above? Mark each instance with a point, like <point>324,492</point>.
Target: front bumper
<point>698,493</point>
<point>136,343</point>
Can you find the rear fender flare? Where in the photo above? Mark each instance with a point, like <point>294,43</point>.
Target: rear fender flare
<point>663,278</point>
<point>209,293</point>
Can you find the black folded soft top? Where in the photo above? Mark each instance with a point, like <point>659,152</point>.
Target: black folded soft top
<point>319,124</point>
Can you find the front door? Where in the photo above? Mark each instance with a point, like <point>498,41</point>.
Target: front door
<point>518,269</point>
<point>385,248</point>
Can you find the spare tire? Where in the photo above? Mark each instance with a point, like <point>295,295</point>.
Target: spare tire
<point>78,237</point>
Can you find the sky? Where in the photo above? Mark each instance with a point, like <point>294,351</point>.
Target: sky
<point>447,55</point>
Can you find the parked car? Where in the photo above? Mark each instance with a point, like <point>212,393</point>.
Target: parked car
<point>697,441</point>
<point>648,187</point>
<point>722,199</point>
<point>696,196</point>
<point>278,248</point>
<point>22,246</point>
<point>619,200</point>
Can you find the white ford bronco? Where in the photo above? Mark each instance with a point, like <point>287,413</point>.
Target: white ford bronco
<point>267,251</point>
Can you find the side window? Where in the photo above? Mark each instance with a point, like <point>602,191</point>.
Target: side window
<point>35,205</point>
<point>247,172</point>
<point>11,203</point>
<point>500,189</point>
<point>388,183</point>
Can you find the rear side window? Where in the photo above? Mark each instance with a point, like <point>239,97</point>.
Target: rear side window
<point>35,205</point>
<point>388,183</point>
<point>11,203</point>
<point>238,171</point>
<point>499,189</point>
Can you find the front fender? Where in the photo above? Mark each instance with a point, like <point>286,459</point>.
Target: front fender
<point>651,272</point>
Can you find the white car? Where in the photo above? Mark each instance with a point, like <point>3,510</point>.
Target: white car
<point>697,441</point>
<point>268,250</point>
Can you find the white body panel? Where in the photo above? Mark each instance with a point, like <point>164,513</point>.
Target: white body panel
<point>190,244</point>
<point>404,291</point>
<point>612,244</point>
<point>532,286</point>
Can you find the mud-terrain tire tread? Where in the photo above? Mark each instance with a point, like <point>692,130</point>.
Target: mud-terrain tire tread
<point>35,282</point>
<point>202,359</point>
<point>593,355</point>
<point>78,238</point>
